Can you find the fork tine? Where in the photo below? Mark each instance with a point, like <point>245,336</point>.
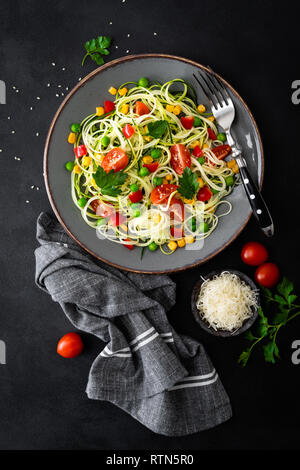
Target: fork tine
<point>202,88</point>
<point>222,88</point>
<point>207,90</point>
<point>218,93</point>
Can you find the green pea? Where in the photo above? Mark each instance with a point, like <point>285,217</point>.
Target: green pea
<point>144,171</point>
<point>215,191</point>
<point>143,82</point>
<point>157,181</point>
<point>75,127</point>
<point>201,160</point>
<point>221,137</point>
<point>204,227</point>
<point>229,180</point>
<point>156,153</point>
<point>192,224</point>
<point>197,121</point>
<point>82,202</point>
<point>105,141</point>
<point>136,213</point>
<point>69,166</point>
<point>101,222</point>
<point>153,246</point>
<point>134,188</point>
<point>135,206</point>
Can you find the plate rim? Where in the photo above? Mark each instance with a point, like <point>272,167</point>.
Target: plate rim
<point>106,66</point>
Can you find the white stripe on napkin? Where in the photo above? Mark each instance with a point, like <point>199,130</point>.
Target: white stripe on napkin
<point>194,384</point>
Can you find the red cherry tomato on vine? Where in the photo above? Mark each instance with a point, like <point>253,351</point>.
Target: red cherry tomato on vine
<point>254,253</point>
<point>267,275</point>
<point>70,345</point>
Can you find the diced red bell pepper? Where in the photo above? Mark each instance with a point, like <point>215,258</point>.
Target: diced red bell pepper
<point>128,131</point>
<point>204,194</point>
<point>222,151</point>
<point>141,108</point>
<point>129,246</point>
<point>117,219</point>
<point>152,167</point>
<point>80,151</point>
<point>137,196</point>
<point>197,152</point>
<point>211,134</point>
<point>109,106</point>
<point>176,232</point>
<point>187,121</point>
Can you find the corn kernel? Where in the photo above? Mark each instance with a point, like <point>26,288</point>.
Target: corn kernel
<point>99,111</point>
<point>201,108</point>
<point>147,159</point>
<point>94,183</point>
<point>211,118</point>
<point>235,169</point>
<point>201,182</point>
<point>169,177</point>
<point>189,239</point>
<point>211,210</point>
<point>72,138</point>
<point>181,243</point>
<point>195,144</point>
<point>170,108</point>
<point>165,181</point>
<point>177,110</point>
<point>172,245</point>
<point>112,90</point>
<point>86,161</point>
<point>124,108</point>
<point>146,129</point>
<point>205,146</point>
<point>188,201</point>
<point>148,138</point>
<point>99,157</point>
<point>231,163</point>
<point>76,169</point>
<point>156,218</point>
<point>122,91</point>
<point>124,227</point>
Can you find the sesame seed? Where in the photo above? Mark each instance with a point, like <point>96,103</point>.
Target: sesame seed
<point>27,202</point>
<point>0,150</point>
<point>64,68</point>
<point>62,94</point>
<point>37,188</point>
<point>37,134</point>
<point>154,34</point>
<point>38,98</point>
<point>123,1</point>
<point>67,88</point>
<point>110,22</point>
<point>8,117</point>
<point>117,47</point>
<point>53,63</point>
<point>17,158</point>
<point>17,91</point>
<point>31,108</point>
<point>32,187</point>
<point>79,79</point>
<point>48,84</point>
<point>57,95</point>
<point>13,132</point>
<point>127,51</point>
<point>58,86</point>
<point>13,87</point>
<point>128,35</point>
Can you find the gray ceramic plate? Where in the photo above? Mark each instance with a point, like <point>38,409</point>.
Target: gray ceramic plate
<point>82,100</point>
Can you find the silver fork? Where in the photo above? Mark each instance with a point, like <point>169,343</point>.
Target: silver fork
<point>224,112</point>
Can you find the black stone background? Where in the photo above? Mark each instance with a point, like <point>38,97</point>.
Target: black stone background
<point>255,45</point>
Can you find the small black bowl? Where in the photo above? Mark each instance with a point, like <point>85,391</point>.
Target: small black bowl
<point>225,334</point>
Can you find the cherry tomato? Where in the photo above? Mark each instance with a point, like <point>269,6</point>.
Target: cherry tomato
<point>180,158</point>
<point>117,218</point>
<point>187,121</point>
<point>128,131</point>
<point>104,210</point>
<point>152,167</point>
<point>162,192</point>
<point>254,253</point>
<point>197,152</point>
<point>94,204</point>
<point>109,106</point>
<point>211,134</point>
<point>222,151</point>
<point>267,275</point>
<point>70,345</point>
<point>116,159</point>
<point>176,232</point>
<point>204,194</point>
<point>176,209</point>
<point>137,196</point>
<point>141,108</point>
<point>129,246</point>
<point>80,151</point>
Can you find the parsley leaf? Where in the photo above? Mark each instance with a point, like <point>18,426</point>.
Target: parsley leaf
<point>96,48</point>
<point>109,182</point>
<point>157,128</point>
<point>188,184</point>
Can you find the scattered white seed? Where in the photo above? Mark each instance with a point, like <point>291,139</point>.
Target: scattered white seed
<point>13,132</point>
<point>64,68</point>
<point>67,88</point>
<point>32,187</point>
<point>79,79</point>
<point>117,47</point>
<point>62,94</point>
<point>17,91</point>
<point>27,202</point>
<point>17,158</point>
<point>13,87</point>
<point>0,150</point>
<point>128,35</point>
<point>154,34</point>
<point>110,22</point>
<point>37,188</point>
<point>127,51</point>
<point>53,63</point>
<point>58,86</point>
<point>8,117</point>
<point>57,95</point>
<point>48,84</point>
<point>31,108</point>
<point>37,134</point>
<point>38,98</point>
<point>123,1</point>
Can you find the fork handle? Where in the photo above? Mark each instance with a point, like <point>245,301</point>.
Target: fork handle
<point>257,203</point>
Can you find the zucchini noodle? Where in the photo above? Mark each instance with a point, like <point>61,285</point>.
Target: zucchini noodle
<point>143,223</point>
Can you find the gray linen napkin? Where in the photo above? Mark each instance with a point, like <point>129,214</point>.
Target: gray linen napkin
<point>163,380</point>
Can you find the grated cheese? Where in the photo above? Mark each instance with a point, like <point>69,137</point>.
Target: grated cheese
<point>226,301</point>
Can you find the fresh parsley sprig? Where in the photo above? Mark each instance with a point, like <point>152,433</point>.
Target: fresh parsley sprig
<point>96,49</point>
<point>267,329</point>
<point>157,129</point>
<point>188,184</point>
<point>109,182</point>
